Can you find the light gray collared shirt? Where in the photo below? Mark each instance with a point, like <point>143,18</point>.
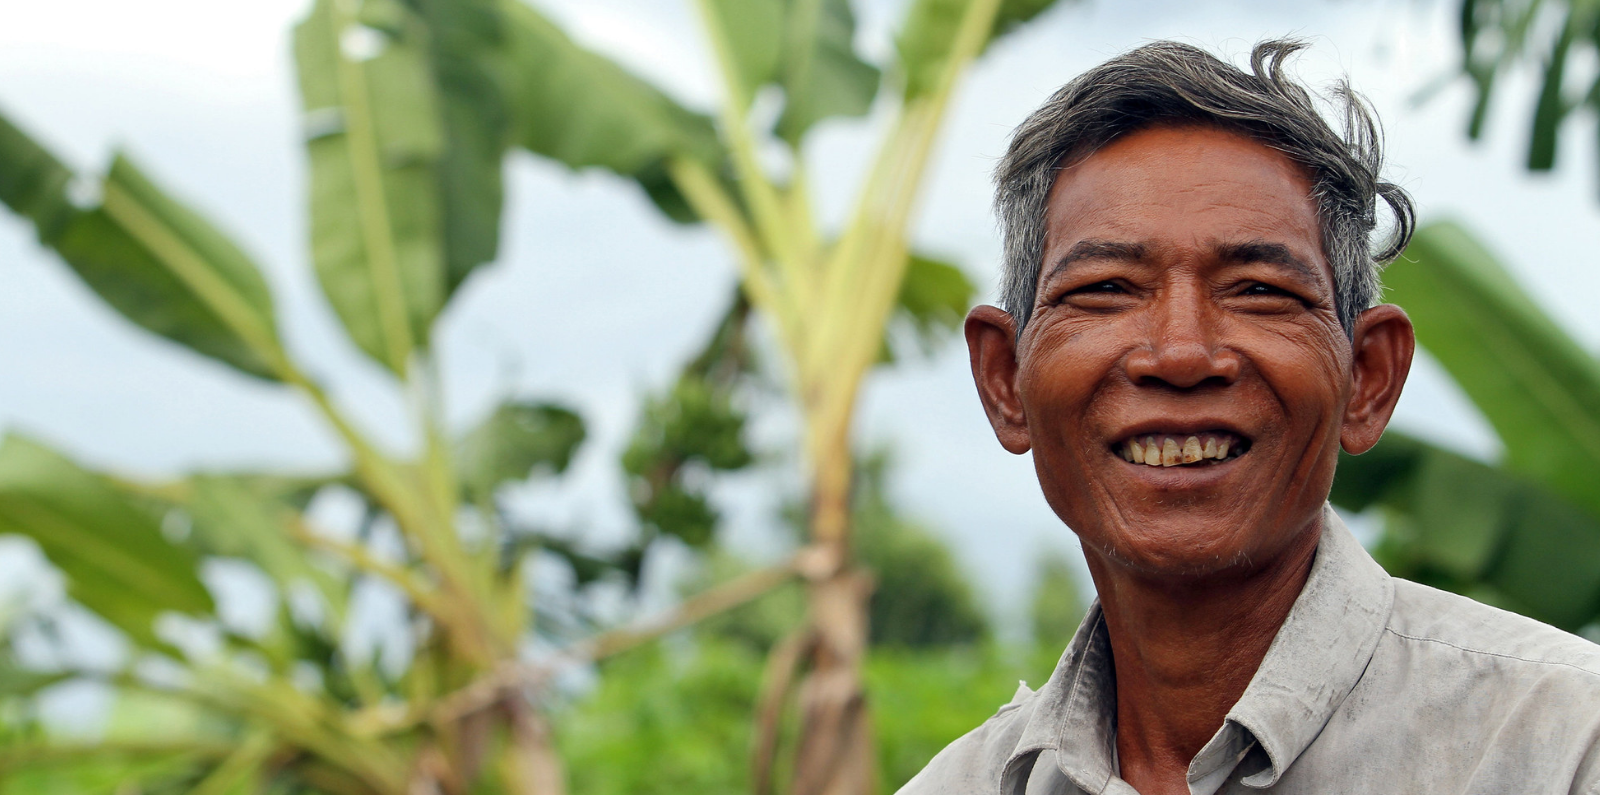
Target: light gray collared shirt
<point>1372,685</point>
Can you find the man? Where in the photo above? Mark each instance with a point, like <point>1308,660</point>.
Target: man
<point>1190,335</point>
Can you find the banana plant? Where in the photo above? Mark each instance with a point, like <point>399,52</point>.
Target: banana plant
<point>409,109</point>
<point>1555,37</point>
<point>1523,533</point>
<point>405,194</point>
<point>826,293</point>
<point>1513,362</point>
<point>408,115</point>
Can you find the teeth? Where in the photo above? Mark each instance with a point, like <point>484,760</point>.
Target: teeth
<point>1167,451</point>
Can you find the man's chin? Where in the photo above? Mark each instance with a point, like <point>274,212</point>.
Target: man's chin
<point>1183,545</point>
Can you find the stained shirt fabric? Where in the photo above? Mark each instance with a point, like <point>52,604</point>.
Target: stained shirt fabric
<point>1373,685</point>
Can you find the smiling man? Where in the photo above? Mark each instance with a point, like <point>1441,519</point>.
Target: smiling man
<point>1191,333</point>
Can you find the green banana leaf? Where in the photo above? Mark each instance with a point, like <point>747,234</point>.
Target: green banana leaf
<point>821,74</point>
<point>1536,385</point>
<point>158,263</point>
<point>930,31</point>
<point>753,31</point>
<point>1477,529</point>
<point>518,439</point>
<point>581,109</point>
<point>805,46</point>
<point>469,60</point>
<point>1499,36</point>
<point>1553,106</point>
<point>408,119</point>
<point>107,544</point>
<point>33,182</point>
<point>1526,534</point>
<point>933,300</point>
<point>374,140</point>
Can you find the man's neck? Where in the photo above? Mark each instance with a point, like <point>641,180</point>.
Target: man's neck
<point>1184,655</point>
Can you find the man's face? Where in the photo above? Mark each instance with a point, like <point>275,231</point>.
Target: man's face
<point>1184,375</point>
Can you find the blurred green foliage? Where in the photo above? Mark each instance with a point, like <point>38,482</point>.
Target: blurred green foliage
<point>693,429</point>
<point>925,699</point>
<point>676,717</point>
<point>669,721</point>
<point>666,721</point>
<point>1057,603</point>
<point>921,599</point>
<point>1560,38</point>
<point>409,110</point>
<point>518,441</point>
<point>1523,533</point>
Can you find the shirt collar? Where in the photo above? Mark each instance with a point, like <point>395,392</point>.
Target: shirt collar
<point>1313,663</point>
<point>1076,716</point>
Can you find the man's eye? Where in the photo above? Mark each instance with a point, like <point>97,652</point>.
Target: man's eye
<point>1100,287</point>
<point>1264,289</point>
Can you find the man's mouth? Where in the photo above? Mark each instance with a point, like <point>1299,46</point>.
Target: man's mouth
<point>1172,450</point>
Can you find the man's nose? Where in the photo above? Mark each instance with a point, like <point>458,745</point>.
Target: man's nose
<point>1183,349</point>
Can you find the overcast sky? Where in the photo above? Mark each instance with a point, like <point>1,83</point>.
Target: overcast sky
<point>596,299</point>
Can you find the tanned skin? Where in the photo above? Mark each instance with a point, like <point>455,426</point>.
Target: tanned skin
<point>1184,289</point>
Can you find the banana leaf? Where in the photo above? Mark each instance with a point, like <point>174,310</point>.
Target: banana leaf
<point>109,545</point>
<point>821,74</point>
<point>1476,529</point>
<point>517,440</point>
<point>929,33</point>
<point>375,141</point>
<point>753,32</point>
<point>581,109</point>
<point>155,261</point>
<point>933,300</point>
<point>1524,534</point>
<point>1537,387</point>
<point>469,58</point>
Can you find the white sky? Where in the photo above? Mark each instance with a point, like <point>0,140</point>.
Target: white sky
<point>596,299</point>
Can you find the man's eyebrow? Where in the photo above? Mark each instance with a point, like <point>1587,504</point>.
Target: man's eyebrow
<point>1264,251</point>
<point>1098,249</point>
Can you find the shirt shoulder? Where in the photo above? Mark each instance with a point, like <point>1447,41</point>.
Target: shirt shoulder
<point>1509,704</point>
<point>1461,697</point>
<point>1459,626</point>
<point>975,761</point>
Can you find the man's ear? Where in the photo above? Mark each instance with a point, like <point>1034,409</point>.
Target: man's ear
<point>991,342</point>
<point>1381,357</point>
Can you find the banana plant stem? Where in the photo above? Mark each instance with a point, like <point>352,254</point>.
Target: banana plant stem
<point>754,184</point>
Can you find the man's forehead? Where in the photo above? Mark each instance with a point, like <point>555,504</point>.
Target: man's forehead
<point>1193,187</point>
<point>1174,164</point>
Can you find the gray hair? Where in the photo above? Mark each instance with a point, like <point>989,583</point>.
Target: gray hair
<point>1167,83</point>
